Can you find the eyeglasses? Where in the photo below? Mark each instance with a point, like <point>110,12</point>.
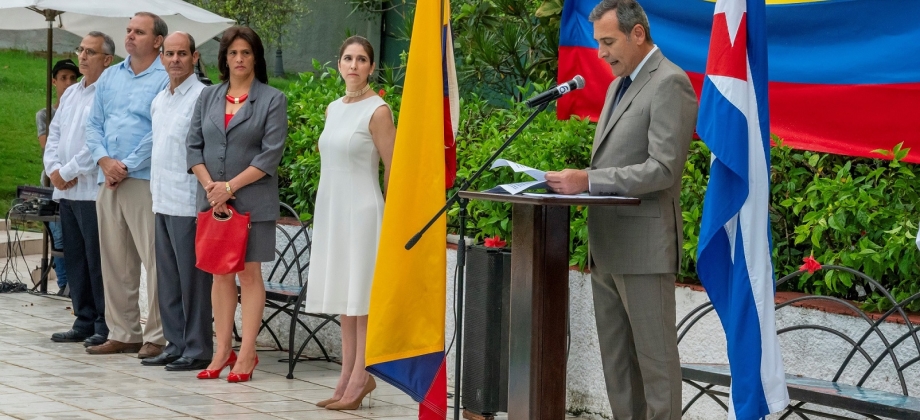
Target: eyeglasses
<point>89,52</point>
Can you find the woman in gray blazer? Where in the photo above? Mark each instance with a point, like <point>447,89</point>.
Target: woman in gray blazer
<point>235,143</point>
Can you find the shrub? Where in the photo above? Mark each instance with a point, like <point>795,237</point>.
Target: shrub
<point>855,212</point>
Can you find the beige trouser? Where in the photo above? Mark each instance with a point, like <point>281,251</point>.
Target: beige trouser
<point>126,232</point>
<point>637,334</point>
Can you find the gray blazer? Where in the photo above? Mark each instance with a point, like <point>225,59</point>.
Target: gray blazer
<point>640,149</point>
<point>254,137</point>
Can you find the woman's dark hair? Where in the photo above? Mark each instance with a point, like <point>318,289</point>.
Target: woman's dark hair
<point>255,43</point>
<point>358,39</point>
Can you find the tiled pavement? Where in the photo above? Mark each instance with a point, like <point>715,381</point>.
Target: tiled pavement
<point>41,379</point>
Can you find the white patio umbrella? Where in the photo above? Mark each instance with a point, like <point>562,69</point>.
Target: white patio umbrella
<point>108,16</point>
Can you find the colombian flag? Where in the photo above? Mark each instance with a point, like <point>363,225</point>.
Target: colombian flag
<point>844,74</point>
<point>405,332</point>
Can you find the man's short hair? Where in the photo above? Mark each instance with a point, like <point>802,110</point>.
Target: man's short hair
<point>108,45</point>
<point>159,25</point>
<point>191,42</point>
<point>629,14</point>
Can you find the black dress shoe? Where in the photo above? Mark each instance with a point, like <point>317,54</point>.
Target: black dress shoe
<point>187,363</point>
<point>94,340</point>
<point>161,359</point>
<point>70,336</point>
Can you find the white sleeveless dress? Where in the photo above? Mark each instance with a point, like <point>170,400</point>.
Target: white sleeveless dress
<point>348,214</point>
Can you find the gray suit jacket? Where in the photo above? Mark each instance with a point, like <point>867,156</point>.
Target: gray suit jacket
<point>254,137</point>
<point>640,148</point>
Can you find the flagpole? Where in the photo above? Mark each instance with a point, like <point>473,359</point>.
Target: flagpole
<point>461,249</point>
<point>458,307</point>
<point>461,263</point>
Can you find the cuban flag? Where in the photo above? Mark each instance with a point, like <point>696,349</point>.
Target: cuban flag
<point>734,261</point>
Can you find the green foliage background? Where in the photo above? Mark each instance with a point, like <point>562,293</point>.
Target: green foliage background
<point>268,18</point>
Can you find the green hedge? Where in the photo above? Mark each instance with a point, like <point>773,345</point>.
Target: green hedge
<point>854,212</point>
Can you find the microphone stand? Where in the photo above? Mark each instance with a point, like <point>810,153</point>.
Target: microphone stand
<point>461,248</point>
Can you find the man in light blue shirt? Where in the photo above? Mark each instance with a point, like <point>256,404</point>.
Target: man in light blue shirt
<point>118,135</point>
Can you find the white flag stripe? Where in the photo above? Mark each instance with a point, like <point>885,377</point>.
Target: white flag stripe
<point>755,222</point>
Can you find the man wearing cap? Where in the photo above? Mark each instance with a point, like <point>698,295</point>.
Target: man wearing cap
<point>118,133</point>
<point>184,290</point>
<point>73,173</point>
<point>64,74</point>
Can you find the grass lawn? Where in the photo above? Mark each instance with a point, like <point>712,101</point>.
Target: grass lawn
<point>22,87</point>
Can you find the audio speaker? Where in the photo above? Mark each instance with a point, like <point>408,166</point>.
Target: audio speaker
<point>485,330</point>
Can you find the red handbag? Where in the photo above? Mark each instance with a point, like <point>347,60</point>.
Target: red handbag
<point>220,241</point>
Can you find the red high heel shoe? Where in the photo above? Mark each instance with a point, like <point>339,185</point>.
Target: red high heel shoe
<point>215,374</point>
<point>243,377</point>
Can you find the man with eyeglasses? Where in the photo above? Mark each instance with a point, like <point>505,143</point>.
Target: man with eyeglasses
<point>73,173</point>
<point>119,136</point>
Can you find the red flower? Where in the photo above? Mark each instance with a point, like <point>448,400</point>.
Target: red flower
<point>811,265</point>
<point>381,93</point>
<point>495,242</point>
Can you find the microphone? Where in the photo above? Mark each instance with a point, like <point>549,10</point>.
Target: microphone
<point>555,93</point>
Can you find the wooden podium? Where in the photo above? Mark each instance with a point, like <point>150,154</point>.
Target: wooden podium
<point>539,299</point>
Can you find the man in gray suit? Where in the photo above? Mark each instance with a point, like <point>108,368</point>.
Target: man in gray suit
<point>640,148</point>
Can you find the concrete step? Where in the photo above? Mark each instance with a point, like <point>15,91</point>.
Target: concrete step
<point>23,242</point>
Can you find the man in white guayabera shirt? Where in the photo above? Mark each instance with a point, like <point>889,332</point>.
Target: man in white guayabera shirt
<point>184,291</point>
<point>70,165</point>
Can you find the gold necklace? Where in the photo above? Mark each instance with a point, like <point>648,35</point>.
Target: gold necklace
<point>358,93</point>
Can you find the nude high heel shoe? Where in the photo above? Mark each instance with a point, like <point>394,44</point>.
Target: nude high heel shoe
<point>369,387</point>
<point>326,402</point>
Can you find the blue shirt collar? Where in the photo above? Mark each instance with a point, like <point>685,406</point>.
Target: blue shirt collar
<point>156,65</point>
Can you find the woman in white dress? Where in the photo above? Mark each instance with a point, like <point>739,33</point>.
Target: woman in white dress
<point>358,135</point>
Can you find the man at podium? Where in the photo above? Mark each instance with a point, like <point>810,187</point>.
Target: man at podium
<point>640,148</point>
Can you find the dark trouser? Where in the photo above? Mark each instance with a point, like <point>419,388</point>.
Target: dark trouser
<point>637,334</point>
<point>84,268</point>
<point>184,290</point>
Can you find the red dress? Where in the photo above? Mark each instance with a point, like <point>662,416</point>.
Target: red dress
<point>227,119</point>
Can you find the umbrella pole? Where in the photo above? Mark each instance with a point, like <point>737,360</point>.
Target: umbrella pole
<point>49,16</point>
